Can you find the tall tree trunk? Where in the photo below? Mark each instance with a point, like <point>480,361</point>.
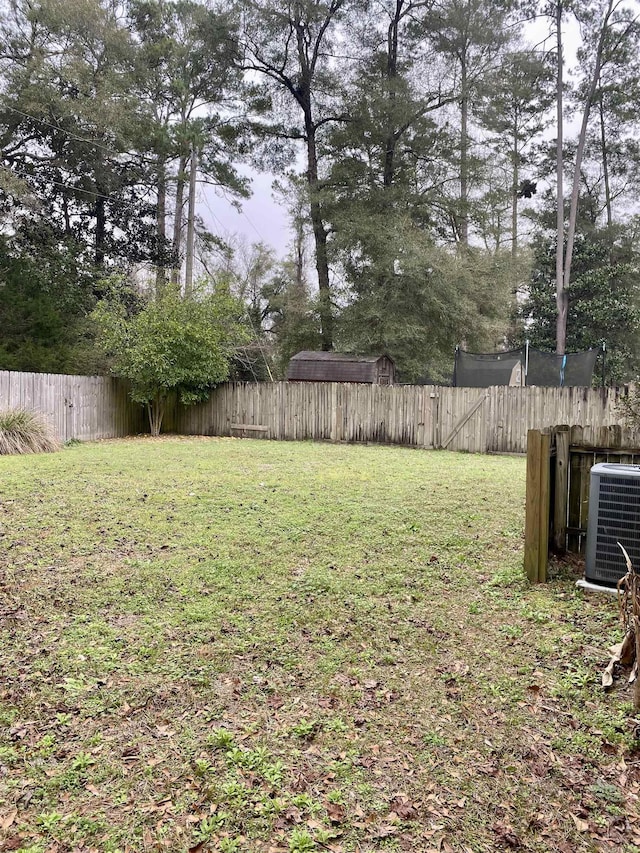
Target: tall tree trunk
<point>191,224</point>
<point>100,211</point>
<point>301,30</point>
<point>561,297</point>
<point>65,212</point>
<point>384,274</point>
<point>575,193</point>
<point>605,164</point>
<point>514,195</point>
<point>298,246</point>
<point>177,219</point>
<point>515,154</point>
<point>392,73</point>
<point>464,155</point>
<point>319,234</point>
<point>161,226</point>
<point>101,230</point>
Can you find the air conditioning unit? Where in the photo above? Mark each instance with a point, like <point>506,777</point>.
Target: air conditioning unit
<point>614,516</point>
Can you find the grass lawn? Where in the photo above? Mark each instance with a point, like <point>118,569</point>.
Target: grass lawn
<point>238,645</point>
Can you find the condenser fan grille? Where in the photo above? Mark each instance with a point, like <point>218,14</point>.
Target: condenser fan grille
<point>614,516</point>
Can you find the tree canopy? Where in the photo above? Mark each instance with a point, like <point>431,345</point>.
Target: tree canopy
<point>420,148</point>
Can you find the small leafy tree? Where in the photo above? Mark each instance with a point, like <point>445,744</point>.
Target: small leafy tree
<point>171,345</point>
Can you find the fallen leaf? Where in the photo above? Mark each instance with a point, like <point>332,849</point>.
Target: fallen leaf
<point>336,812</point>
<point>581,825</point>
<point>507,836</point>
<point>165,731</point>
<point>385,831</point>
<point>9,819</point>
<point>15,843</point>
<point>403,808</point>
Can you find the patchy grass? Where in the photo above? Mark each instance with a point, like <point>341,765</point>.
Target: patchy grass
<point>214,644</point>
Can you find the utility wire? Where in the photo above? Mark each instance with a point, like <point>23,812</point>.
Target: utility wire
<point>242,213</point>
<point>64,131</point>
<point>254,227</point>
<point>202,196</point>
<point>93,193</point>
<point>75,136</point>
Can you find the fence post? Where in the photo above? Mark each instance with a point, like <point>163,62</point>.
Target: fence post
<point>561,489</point>
<point>536,548</point>
<point>545,498</point>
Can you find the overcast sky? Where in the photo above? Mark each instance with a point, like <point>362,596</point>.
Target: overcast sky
<point>262,219</point>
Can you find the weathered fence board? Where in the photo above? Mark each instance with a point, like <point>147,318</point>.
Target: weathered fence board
<point>81,407</point>
<point>476,420</point>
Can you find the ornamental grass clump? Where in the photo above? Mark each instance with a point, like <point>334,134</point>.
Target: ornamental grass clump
<point>22,431</point>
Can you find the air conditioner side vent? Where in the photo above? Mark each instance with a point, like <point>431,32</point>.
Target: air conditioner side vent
<point>614,516</point>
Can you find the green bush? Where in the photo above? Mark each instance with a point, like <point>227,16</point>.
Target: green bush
<point>171,344</point>
<point>22,431</point>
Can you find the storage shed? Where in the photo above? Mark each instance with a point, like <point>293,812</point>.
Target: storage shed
<point>310,366</point>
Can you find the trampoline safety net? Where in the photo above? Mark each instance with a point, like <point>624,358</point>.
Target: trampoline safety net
<point>481,370</point>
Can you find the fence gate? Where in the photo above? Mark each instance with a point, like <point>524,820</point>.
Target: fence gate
<point>462,419</point>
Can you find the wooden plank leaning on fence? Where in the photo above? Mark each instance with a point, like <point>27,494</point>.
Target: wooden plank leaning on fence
<point>536,547</point>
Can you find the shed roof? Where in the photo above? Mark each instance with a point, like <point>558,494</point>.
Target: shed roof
<point>311,355</point>
<point>335,367</point>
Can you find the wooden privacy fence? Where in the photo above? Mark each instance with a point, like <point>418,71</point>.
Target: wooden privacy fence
<point>476,420</point>
<point>81,407</point>
<point>559,462</point>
